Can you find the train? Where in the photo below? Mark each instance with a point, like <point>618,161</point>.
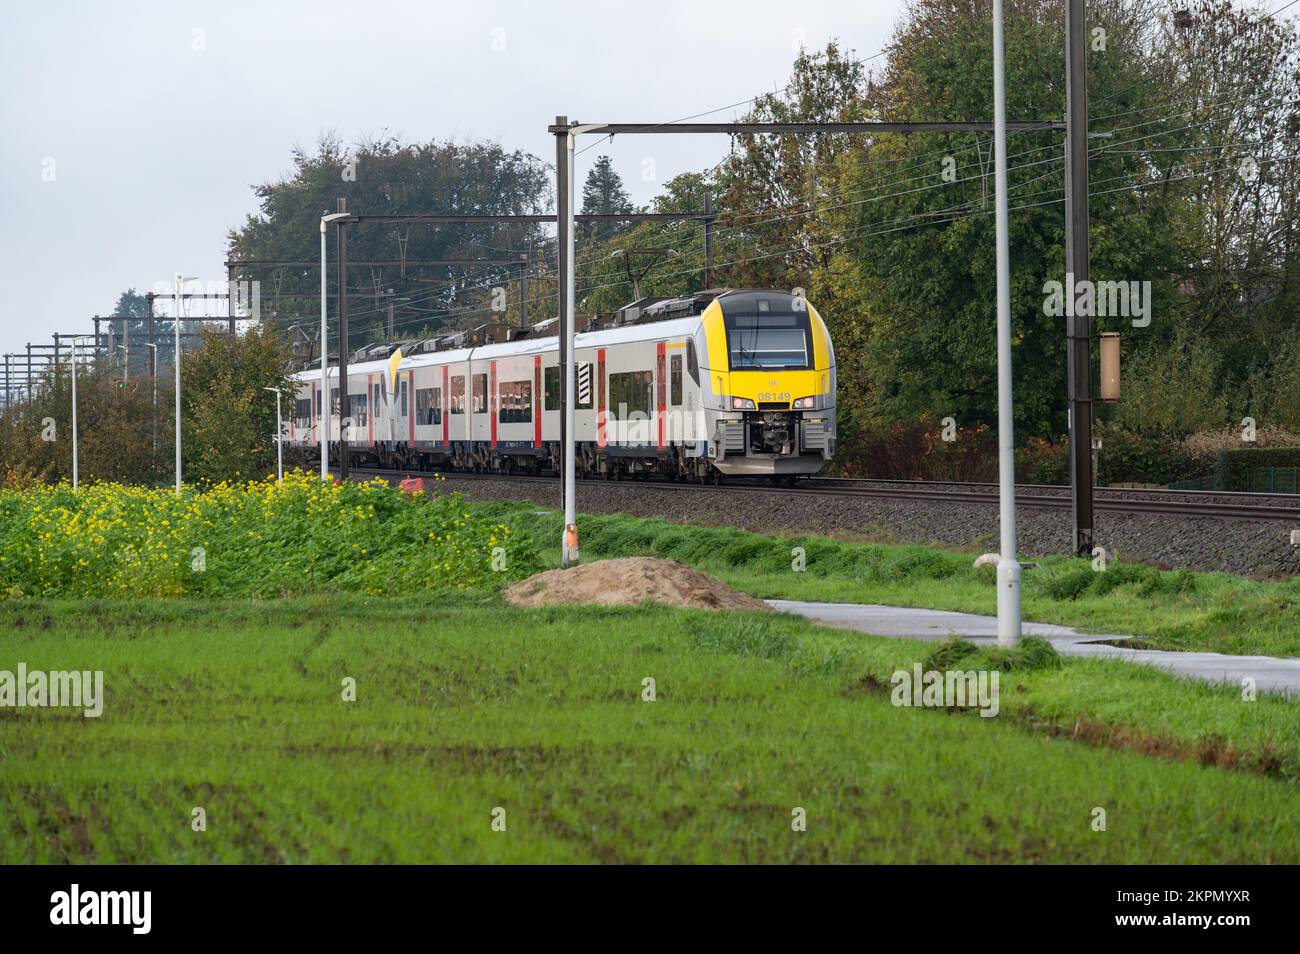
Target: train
<point>724,382</point>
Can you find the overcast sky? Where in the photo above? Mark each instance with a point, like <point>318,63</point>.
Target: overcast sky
<point>134,131</point>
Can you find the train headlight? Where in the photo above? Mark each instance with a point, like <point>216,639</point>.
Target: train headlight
<point>742,404</point>
<point>805,404</point>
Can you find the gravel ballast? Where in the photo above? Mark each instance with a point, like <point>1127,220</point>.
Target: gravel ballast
<point>1254,548</point>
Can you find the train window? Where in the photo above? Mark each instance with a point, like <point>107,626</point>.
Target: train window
<point>553,393</point>
<point>692,363</point>
<point>360,410</point>
<point>458,395</point>
<point>334,402</point>
<point>303,409</point>
<point>319,394</point>
<point>428,406</point>
<point>480,393</point>
<point>629,394</point>
<point>767,339</point>
<point>675,375</point>
<point>378,394</point>
<point>402,390</point>
<point>516,402</point>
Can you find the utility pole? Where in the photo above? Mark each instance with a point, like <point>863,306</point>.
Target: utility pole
<point>563,234</point>
<point>230,297</point>
<point>76,466</point>
<point>708,240</point>
<point>345,409</point>
<point>523,291</point>
<point>153,343</point>
<point>1077,269</point>
<point>29,373</point>
<point>176,360</point>
<point>326,405</point>
<point>390,314</point>
<point>1008,567</point>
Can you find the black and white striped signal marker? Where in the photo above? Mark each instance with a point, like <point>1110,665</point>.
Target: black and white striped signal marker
<point>584,384</point>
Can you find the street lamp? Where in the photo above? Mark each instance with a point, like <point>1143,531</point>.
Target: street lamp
<point>279,439</point>
<point>323,424</point>
<point>1008,566</point>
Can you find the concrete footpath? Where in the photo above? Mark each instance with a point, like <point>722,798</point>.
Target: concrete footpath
<point>1271,674</point>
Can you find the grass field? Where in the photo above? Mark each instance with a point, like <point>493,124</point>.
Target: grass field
<point>1178,609</point>
<point>464,705</point>
<point>224,690</point>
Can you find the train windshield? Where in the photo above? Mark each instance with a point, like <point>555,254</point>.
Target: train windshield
<point>767,340</point>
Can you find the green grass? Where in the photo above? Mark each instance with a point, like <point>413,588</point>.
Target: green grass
<point>465,704</point>
<point>1179,609</point>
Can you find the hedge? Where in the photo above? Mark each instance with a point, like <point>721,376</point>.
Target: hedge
<point>1232,466</point>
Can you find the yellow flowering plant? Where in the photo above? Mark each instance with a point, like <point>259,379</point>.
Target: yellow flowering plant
<point>259,538</point>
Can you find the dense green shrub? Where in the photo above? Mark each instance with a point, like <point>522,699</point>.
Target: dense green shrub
<point>1233,466</point>
<point>259,539</point>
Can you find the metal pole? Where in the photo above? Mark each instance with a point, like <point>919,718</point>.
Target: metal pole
<point>75,469</point>
<point>323,418</point>
<point>97,342</point>
<point>176,327</point>
<point>126,349</point>
<point>29,373</point>
<point>153,340</point>
<point>345,407</point>
<point>1008,567</point>
<point>1078,269</point>
<point>708,240</point>
<point>562,250</point>
<point>523,292</point>
<point>390,314</point>
<point>153,415</point>
<point>279,438</point>
<point>230,298</point>
<point>569,543</point>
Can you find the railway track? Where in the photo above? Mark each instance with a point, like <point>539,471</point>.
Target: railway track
<point>1223,505</point>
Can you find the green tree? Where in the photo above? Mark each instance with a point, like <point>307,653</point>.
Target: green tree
<point>118,428</point>
<point>603,194</point>
<point>911,280</point>
<point>385,175</point>
<point>227,418</point>
<point>678,267</point>
<point>771,185</point>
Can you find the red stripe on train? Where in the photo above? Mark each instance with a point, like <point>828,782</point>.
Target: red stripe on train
<point>660,402</point>
<point>492,400</point>
<point>600,397</point>
<point>537,400</point>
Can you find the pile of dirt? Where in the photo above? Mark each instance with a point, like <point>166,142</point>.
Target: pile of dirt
<point>628,581</point>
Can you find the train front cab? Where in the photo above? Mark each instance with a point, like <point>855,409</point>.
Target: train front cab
<point>767,384</point>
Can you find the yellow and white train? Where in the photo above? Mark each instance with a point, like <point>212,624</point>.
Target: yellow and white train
<point>735,382</point>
